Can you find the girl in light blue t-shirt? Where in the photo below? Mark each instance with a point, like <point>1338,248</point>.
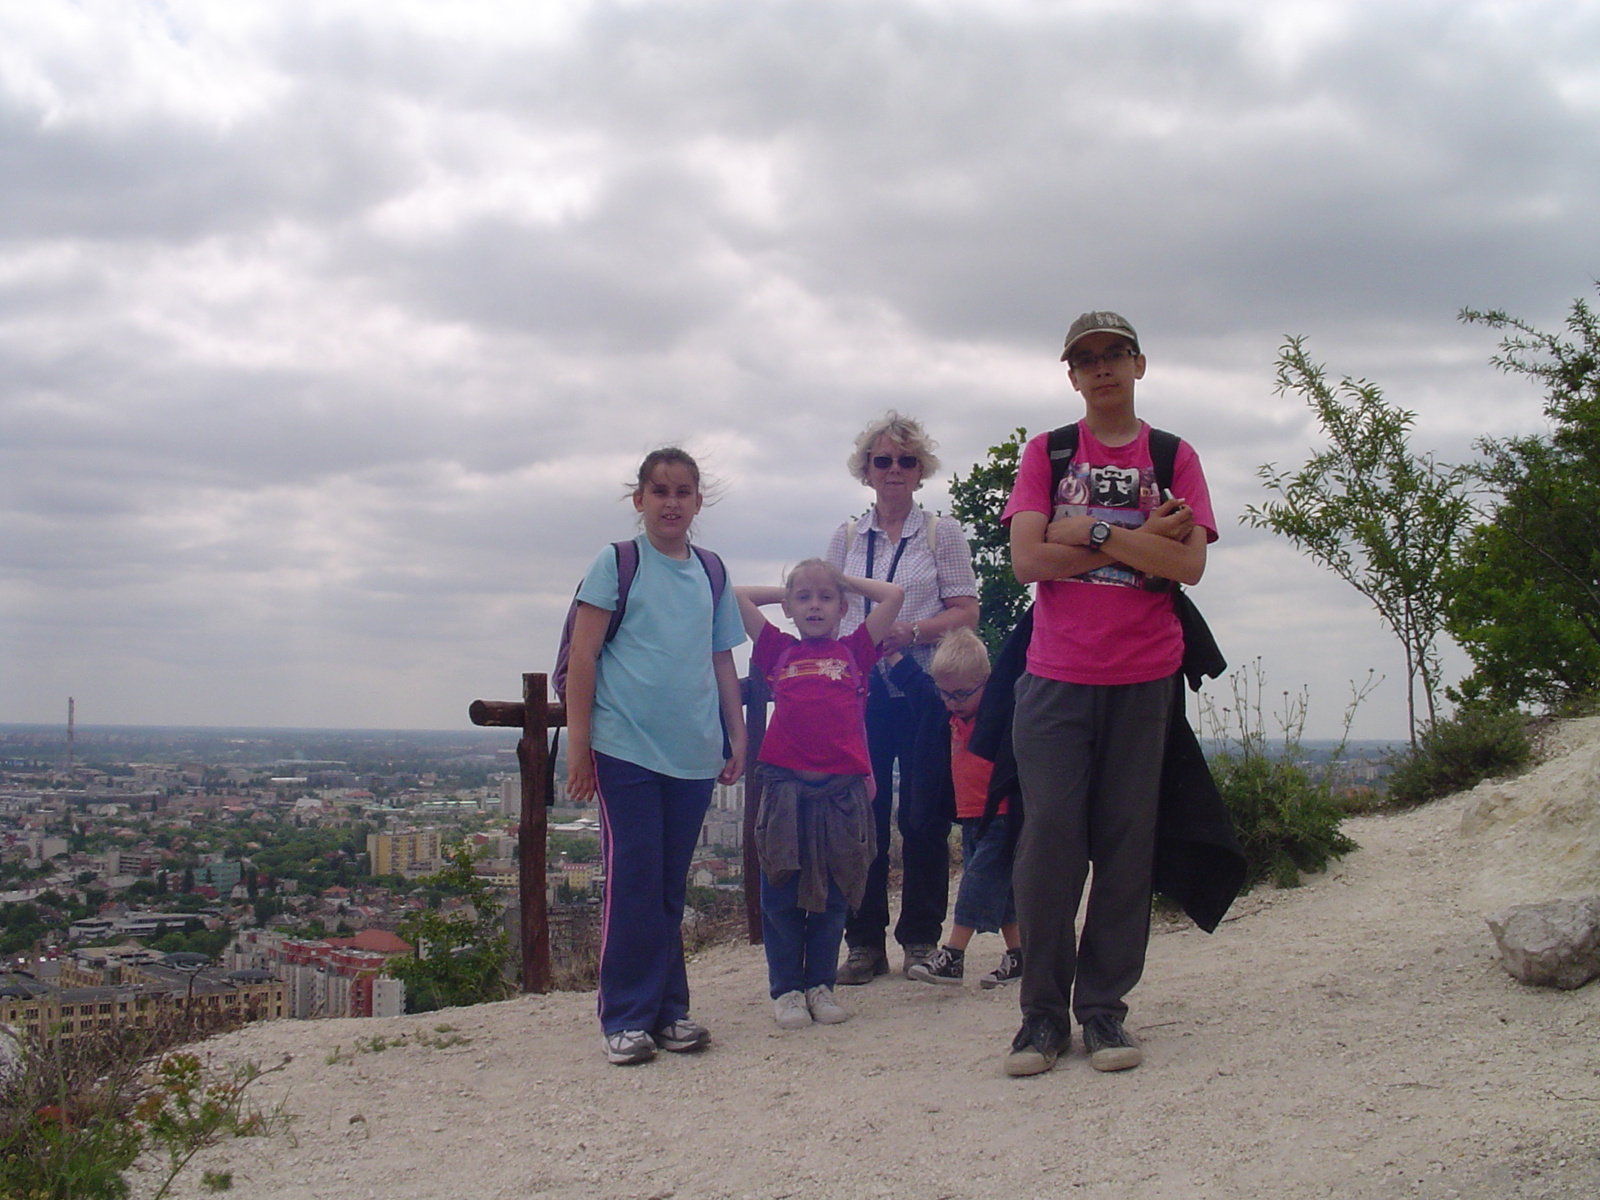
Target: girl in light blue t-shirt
<point>646,714</point>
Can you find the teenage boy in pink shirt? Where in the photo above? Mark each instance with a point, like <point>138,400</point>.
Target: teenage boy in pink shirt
<point>1092,707</point>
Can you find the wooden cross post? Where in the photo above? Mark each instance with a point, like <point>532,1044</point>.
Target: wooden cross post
<point>755,695</point>
<point>535,716</point>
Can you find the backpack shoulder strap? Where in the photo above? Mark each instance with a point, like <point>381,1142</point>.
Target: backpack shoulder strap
<point>1062,444</point>
<point>1163,454</point>
<point>716,570</point>
<point>627,567</point>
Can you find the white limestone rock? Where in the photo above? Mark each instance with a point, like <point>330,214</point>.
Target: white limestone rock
<point>1555,944</point>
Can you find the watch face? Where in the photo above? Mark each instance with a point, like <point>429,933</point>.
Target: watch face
<point>1099,532</point>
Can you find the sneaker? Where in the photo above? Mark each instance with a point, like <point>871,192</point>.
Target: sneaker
<point>629,1046</point>
<point>916,954</point>
<point>1110,1046</point>
<point>790,1011</point>
<point>824,1009</point>
<point>945,965</point>
<point>862,965</point>
<point>1009,970</point>
<point>1036,1047</point>
<point>682,1035</point>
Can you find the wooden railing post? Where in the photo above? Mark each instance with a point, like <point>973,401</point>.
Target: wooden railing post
<point>533,753</point>
<point>755,720</point>
<point>536,716</point>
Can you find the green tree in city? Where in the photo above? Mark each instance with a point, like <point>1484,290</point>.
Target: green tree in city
<point>977,501</point>
<point>1524,595</point>
<point>1383,519</point>
<point>459,958</point>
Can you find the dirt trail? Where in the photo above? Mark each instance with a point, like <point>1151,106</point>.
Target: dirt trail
<point>1353,1038</point>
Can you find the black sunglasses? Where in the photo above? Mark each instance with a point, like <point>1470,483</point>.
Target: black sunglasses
<point>907,461</point>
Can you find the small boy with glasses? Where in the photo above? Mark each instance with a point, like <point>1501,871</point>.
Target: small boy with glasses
<point>948,780</point>
<point>1094,528</point>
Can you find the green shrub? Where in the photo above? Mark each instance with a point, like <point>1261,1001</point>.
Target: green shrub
<point>1285,814</point>
<point>75,1114</point>
<point>1480,742</point>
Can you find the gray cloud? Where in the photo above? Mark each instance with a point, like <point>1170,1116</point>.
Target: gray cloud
<point>329,334</point>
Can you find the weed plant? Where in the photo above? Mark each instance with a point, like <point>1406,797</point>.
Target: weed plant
<point>76,1113</point>
<point>1481,741</point>
<point>1285,813</point>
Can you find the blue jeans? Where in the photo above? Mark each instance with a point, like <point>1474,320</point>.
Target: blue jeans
<point>984,901</point>
<point>649,826</point>
<point>802,947</point>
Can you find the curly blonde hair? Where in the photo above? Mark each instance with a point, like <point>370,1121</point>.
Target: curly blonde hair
<point>906,432</point>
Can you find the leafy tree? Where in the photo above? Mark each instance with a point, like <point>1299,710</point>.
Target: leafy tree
<point>1383,519</point>
<point>1524,598</point>
<point>977,501</point>
<point>459,958</point>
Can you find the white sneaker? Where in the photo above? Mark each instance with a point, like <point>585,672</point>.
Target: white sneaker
<point>791,1011</point>
<point>825,1010</point>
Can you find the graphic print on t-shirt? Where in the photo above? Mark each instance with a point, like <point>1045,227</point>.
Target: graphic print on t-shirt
<point>798,668</point>
<point>1117,495</point>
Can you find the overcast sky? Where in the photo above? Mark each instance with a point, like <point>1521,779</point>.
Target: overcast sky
<point>331,330</point>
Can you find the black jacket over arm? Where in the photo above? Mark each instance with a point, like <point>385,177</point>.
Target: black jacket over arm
<point>1199,863</point>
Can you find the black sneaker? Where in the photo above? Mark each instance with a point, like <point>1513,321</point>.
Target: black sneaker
<point>862,965</point>
<point>1037,1045</point>
<point>1009,970</point>
<point>944,965</point>
<point>1110,1046</point>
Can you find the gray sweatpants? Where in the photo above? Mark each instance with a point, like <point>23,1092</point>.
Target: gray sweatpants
<point>1089,760</point>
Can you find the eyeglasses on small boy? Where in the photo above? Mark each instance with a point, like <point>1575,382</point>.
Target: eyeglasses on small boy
<point>960,694</point>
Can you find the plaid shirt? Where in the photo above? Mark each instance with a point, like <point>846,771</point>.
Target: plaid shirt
<point>930,575</point>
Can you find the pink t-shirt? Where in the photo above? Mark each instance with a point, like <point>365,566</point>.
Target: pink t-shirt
<point>1105,627</point>
<point>817,700</point>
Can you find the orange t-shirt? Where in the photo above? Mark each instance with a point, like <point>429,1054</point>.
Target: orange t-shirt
<point>968,772</point>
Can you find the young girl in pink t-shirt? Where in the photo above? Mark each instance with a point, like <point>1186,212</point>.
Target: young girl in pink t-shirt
<point>814,831</point>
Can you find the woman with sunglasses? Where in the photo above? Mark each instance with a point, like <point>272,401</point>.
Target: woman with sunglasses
<point>895,540</point>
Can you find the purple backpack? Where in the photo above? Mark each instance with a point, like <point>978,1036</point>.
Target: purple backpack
<point>627,567</point>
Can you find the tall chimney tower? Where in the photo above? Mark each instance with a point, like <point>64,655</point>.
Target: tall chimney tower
<point>72,715</point>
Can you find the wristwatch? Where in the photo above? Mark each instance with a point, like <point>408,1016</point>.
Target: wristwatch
<point>1099,532</point>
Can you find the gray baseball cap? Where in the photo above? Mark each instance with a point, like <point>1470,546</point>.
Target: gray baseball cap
<point>1098,322</point>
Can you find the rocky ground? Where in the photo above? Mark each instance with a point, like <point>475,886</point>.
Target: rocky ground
<point>1353,1038</point>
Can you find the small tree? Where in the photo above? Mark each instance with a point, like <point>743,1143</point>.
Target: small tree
<point>977,502</point>
<point>1381,518</point>
<point>1525,596</point>
<point>460,958</point>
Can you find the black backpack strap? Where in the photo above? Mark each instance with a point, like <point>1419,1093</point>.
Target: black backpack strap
<point>1164,455</point>
<point>1062,444</point>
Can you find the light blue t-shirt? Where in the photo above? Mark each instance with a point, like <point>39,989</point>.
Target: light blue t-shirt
<point>655,697</point>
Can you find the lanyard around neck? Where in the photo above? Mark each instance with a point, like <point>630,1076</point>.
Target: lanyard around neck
<point>872,543</point>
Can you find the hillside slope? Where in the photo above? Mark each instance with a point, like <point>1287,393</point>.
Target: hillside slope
<point>1352,1038</point>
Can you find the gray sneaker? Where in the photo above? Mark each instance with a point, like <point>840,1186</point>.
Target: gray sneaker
<point>682,1035</point>
<point>629,1046</point>
<point>862,965</point>
<point>1110,1046</point>
<point>917,953</point>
